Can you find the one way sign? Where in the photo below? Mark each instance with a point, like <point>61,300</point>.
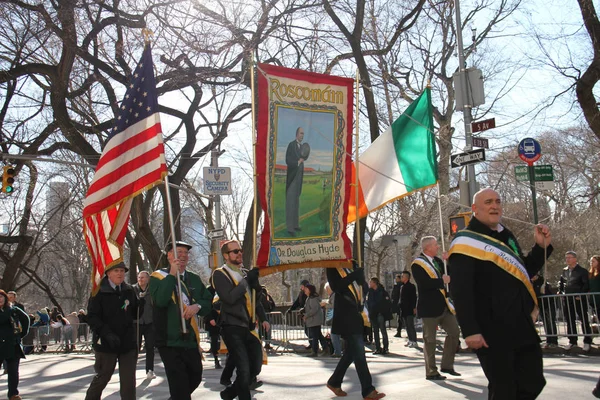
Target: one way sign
<point>470,157</point>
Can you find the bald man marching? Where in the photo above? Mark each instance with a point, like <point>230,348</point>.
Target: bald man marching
<point>495,303</point>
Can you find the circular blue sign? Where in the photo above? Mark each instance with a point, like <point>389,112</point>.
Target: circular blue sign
<point>530,150</point>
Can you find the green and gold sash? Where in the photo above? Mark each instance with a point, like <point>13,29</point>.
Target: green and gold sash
<point>433,274</point>
<point>356,291</point>
<point>486,248</point>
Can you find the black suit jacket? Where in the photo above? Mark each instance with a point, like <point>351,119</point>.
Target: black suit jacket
<point>408,299</point>
<point>347,318</point>
<point>431,302</point>
<point>490,301</point>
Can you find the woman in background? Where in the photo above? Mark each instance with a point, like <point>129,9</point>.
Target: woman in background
<point>14,324</point>
<point>595,285</point>
<point>313,318</point>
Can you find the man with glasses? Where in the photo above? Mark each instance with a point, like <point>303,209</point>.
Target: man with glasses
<point>234,287</point>
<point>575,279</point>
<point>179,352</point>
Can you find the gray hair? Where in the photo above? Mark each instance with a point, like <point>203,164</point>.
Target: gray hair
<point>425,240</point>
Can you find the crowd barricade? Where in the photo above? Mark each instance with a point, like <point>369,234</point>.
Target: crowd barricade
<point>564,315</point>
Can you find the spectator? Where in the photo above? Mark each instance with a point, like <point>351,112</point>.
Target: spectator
<point>299,305</point>
<point>594,276</point>
<point>269,306</point>
<point>12,298</point>
<point>313,318</point>
<point>214,330</point>
<point>379,304</point>
<point>336,339</point>
<point>82,327</point>
<point>396,303</point>
<point>575,280</point>
<point>407,308</point>
<point>28,346</point>
<point>66,329</point>
<point>74,321</point>
<point>43,328</point>
<point>14,325</point>
<point>547,310</point>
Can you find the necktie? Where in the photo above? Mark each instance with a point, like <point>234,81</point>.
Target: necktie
<point>118,289</point>
<point>437,266</point>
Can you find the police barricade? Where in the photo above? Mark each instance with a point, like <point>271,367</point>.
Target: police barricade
<point>573,315</point>
<point>275,338</point>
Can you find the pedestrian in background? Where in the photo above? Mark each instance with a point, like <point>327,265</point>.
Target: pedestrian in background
<point>407,308</point>
<point>145,327</point>
<point>314,318</point>
<point>396,303</point>
<point>594,277</point>
<point>379,306</point>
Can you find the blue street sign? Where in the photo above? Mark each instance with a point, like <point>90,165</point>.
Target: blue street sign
<point>530,150</point>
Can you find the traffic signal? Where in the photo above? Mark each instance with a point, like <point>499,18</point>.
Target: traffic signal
<point>8,178</point>
<point>459,222</point>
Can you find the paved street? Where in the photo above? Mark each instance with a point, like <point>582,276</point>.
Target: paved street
<point>294,376</point>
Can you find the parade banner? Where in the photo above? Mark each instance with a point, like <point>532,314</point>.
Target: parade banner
<point>303,168</point>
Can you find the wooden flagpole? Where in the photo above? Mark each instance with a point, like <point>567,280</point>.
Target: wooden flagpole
<point>357,221</point>
<point>442,231</point>
<point>254,209</point>
<point>172,227</point>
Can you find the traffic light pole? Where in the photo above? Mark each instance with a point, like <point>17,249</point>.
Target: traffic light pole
<point>467,103</point>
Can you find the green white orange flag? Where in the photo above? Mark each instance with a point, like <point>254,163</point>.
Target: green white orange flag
<point>399,162</point>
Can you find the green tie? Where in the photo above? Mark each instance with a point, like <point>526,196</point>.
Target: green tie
<point>437,266</point>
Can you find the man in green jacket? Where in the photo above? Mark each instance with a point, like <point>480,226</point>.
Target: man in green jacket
<point>180,352</point>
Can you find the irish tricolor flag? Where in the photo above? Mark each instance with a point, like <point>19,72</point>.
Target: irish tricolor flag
<point>400,162</point>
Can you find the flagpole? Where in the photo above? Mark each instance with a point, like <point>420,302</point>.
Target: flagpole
<point>254,209</point>
<point>442,230</point>
<point>357,221</point>
<point>174,248</point>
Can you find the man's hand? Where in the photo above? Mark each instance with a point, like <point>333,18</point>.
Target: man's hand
<point>212,322</point>
<point>542,236</point>
<point>476,341</point>
<point>191,310</point>
<point>175,267</point>
<point>266,326</point>
<point>446,279</point>
<point>300,160</point>
<point>445,255</point>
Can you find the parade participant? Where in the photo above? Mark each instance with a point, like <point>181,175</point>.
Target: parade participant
<point>111,313</point>
<point>348,322</point>
<point>180,352</point>
<point>234,287</point>
<point>145,328</point>
<point>495,301</point>
<point>434,307</point>
<point>14,325</point>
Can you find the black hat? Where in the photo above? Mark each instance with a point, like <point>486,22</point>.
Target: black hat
<point>118,265</point>
<point>304,282</point>
<point>179,244</point>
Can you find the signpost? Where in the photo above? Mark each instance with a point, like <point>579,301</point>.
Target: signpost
<point>542,173</point>
<point>216,234</point>
<point>481,142</point>
<point>466,158</point>
<point>530,151</point>
<point>484,125</point>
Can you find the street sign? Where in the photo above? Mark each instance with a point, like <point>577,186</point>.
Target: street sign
<point>484,125</point>
<point>530,150</point>
<point>542,173</point>
<point>216,234</point>
<point>217,180</point>
<point>545,185</point>
<point>481,142</point>
<point>469,157</point>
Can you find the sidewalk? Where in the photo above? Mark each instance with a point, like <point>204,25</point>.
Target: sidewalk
<point>294,376</point>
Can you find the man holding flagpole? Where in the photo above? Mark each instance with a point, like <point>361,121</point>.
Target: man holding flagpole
<point>180,352</point>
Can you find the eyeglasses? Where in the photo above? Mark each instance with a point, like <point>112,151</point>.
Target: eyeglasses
<point>235,251</point>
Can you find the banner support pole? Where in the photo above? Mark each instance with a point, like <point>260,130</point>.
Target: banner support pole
<point>357,221</point>
<point>255,205</point>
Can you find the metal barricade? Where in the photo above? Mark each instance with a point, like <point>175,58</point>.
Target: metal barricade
<point>568,315</point>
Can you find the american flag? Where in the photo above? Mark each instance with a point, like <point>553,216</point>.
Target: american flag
<point>132,161</point>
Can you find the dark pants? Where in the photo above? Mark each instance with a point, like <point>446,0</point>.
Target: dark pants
<point>245,350</point>
<point>548,315</point>
<point>104,366</point>
<point>184,370</point>
<point>513,374</point>
<point>316,337</point>
<point>409,322</point>
<point>12,370</point>
<point>400,321</point>
<point>378,325</point>
<point>228,370</point>
<point>214,341</point>
<point>353,353</point>
<point>147,331</point>
<point>575,307</point>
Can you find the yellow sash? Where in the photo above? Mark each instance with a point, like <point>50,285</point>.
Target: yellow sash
<point>356,291</point>
<point>432,272</point>
<point>486,248</point>
<point>248,309</point>
<point>160,275</point>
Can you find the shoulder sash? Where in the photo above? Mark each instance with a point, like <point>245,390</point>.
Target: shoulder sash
<point>433,274</point>
<point>486,248</point>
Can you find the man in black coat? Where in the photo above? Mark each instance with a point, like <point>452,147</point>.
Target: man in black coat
<point>348,322</point>
<point>495,301</point>
<point>407,308</point>
<point>293,182</point>
<point>434,307</point>
<point>575,279</point>
<point>395,303</point>
<point>111,313</point>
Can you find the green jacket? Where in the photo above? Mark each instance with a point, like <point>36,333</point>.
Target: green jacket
<point>166,314</point>
<point>14,324</point>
